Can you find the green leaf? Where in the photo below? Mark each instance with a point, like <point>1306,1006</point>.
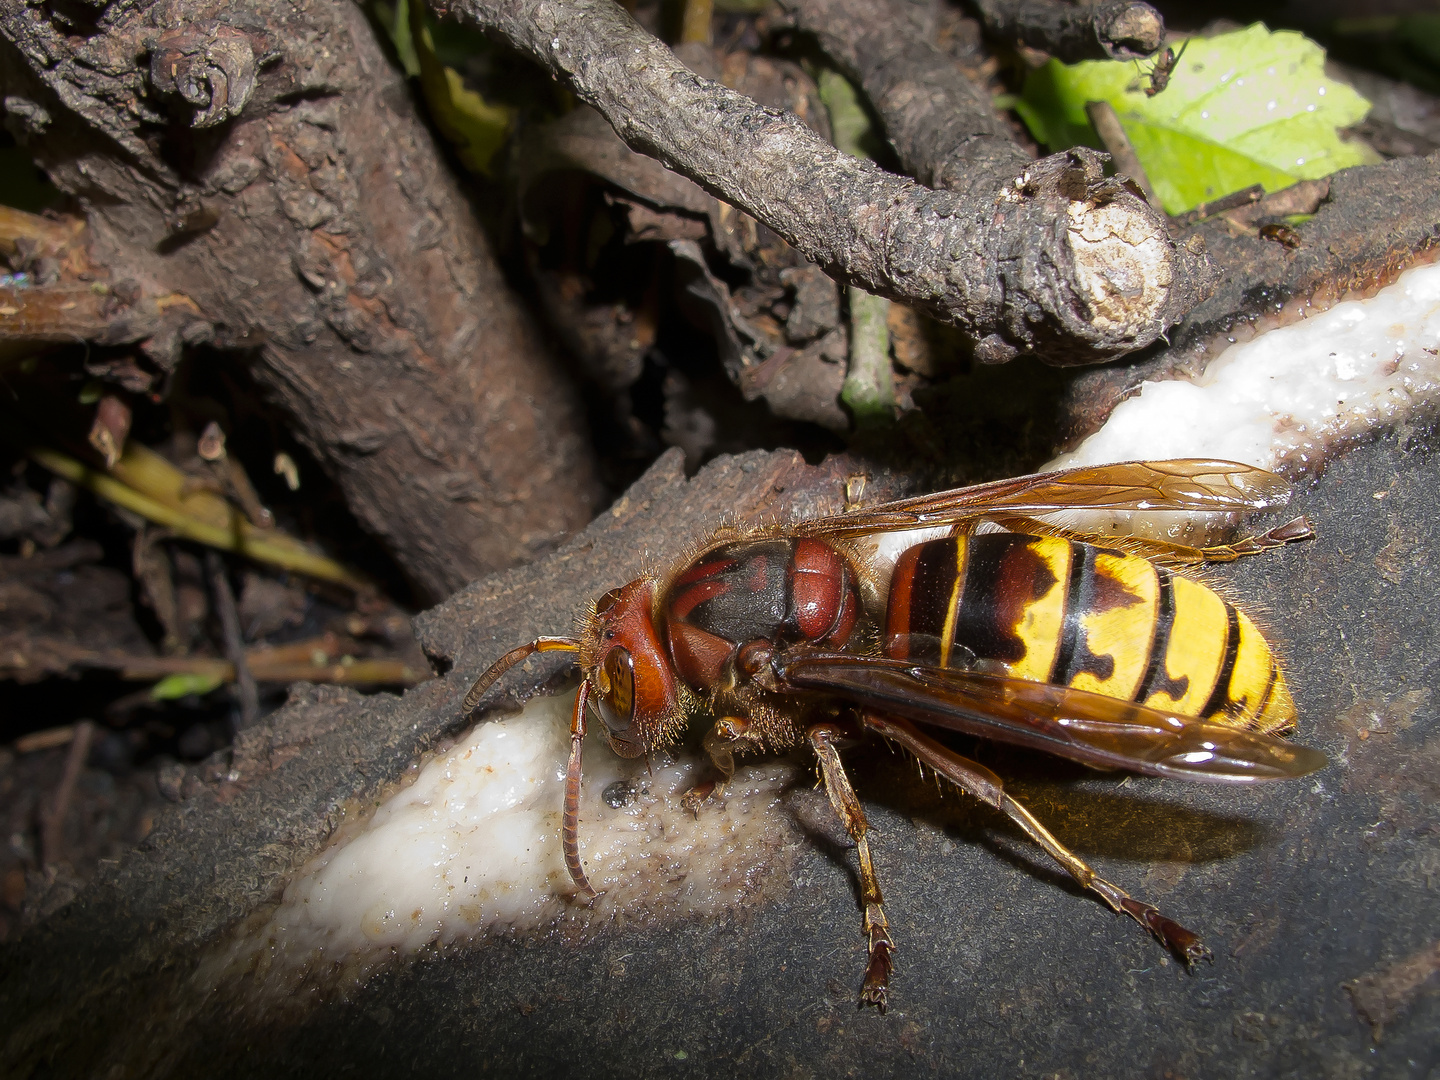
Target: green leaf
<point>432,52</point>
<point>475,127</point>
<point>850,126</point>
<point>1247,107</point>
<point>395,19</point>
<point>183,684</point>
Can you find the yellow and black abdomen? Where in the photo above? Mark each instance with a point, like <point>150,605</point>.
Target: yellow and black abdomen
<point>1052,610</point>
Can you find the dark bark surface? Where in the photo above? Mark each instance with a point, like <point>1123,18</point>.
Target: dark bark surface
<point>1046,257</point>
<point>266,161</point>
<point>1300,888</point>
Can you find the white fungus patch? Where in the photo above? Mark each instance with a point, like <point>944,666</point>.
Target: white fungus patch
<point>471,849</point>
<point>1285,399</point>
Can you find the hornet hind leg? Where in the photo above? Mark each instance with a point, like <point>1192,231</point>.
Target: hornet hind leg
<point>847,808</point>
<point>980,782</point>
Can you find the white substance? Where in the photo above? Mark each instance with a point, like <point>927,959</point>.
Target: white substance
<point>1278,400</point>
<point>472,848</point>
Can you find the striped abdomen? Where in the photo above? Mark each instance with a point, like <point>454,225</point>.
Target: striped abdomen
<point>1052,610</point>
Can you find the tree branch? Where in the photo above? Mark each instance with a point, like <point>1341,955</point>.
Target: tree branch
<point>1110,30</point>
<point>943,129</point>
<point>1046,257</point>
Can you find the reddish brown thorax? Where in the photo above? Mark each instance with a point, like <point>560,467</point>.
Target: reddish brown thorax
<point>779,589</point>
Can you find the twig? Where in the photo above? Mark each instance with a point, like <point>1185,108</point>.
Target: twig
<point>234,643</point>
<point>230,475</point>
<point>111,428</point>
<point>947,135</point>
<point>235,535</point>
<point>237,482</point>
<point>61,313</point>
<point>695,21</point>
<point>321,659</point>
<point>944,130</point>
<point>1111,29</point>
<point>48,739</point>
<point>869,388</point>
<point>52,830</point>
<point>64,557</point>
<point>1302,197</point>
<point>1234,201</point>
<point>1242,209</point>
<point>1112,134</point>
<point>1041,256</point>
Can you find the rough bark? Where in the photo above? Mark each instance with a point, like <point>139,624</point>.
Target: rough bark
<point>264,159</point>
<point>1112,30</point>
<point>941,125</point>
<point>1046,257</point>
